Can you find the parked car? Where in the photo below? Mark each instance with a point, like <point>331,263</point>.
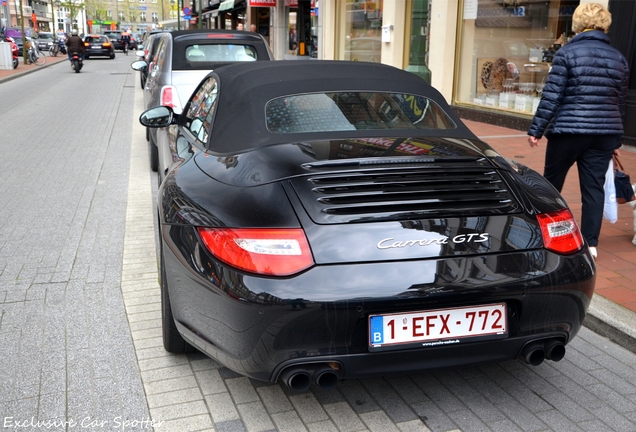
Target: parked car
<point>328,220</point>
<point>44,41</point>
<point>16,34</point>
<point>182,59</point>
<point>98,46</point>
<point>147,54</point>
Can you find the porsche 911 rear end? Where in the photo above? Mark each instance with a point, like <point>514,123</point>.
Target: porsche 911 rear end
<point>372,267</point>
<point>313,230</point>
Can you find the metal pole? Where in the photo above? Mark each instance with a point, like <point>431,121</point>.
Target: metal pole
<point>179,14</point>
<point>200,14</point>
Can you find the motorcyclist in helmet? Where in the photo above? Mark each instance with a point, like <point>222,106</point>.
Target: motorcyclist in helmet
<point>74,43</point>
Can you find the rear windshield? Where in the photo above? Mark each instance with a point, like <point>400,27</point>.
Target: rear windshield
<point>96,39</point>
<point>45,36</point>
<point>220,53</point>
<point>328,112</point>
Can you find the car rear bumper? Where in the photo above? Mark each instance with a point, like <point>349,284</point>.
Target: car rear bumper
<point>99,52</point>
<point>260,326</point>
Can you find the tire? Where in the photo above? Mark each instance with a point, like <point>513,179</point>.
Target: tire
<point>53,52</point>
<point>37,58</point>
<point>15,63</point>
<point>76,66</point>
<point>86,57</point>
<point>147,134</point>
<point>173,342</point>
<point>154,156</point>
<point>112,56</point>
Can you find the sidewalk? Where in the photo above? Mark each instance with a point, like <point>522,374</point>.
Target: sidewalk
<point>22,69</point>
<point>613,309</point>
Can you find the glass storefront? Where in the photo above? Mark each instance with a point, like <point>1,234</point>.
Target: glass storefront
<point>506,50</point>
<point>363,30</point>
<point>302,29</point>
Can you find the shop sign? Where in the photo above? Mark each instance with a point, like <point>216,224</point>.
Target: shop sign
<point>264,3</point>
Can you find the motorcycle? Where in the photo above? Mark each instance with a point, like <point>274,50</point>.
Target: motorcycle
<point>57,48</point>
<point>76,62</point>
<point>14,51</point>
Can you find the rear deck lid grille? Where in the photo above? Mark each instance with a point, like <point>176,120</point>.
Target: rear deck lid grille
<point>434,191</point>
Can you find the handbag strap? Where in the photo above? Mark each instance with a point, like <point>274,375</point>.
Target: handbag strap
<point>617,161</point>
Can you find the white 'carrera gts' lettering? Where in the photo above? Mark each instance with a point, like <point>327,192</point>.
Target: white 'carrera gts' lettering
<point>391,243</point>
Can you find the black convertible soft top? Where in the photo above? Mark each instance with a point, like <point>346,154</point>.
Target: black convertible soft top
<point>246,88</point>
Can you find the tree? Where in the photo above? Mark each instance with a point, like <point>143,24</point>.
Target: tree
<point>74,7</point>
<point>97,10</point>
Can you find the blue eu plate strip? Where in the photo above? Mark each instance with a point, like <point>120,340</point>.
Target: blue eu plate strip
<point>377,333</point>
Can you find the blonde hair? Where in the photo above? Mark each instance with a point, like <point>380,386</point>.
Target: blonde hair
<point>591,16</point>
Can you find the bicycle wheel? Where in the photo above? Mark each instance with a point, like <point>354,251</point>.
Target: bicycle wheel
<point>40,58</point>
<point>36,57</point>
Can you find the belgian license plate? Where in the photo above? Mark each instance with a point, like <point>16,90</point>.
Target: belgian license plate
<point>438,327</point>
<point>96,46</point>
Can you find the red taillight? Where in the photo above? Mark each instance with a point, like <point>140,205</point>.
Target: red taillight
<point>85,43</point>
<point>170,97</point>
<point>106,44</point>
<point>560,232</point>
<point>269,251</point>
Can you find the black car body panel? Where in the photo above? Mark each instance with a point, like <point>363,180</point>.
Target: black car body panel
<point>415,225</point>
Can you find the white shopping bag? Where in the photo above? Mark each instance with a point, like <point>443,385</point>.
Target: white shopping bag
<point>610,208</point>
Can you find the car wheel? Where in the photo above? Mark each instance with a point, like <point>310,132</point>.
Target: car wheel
<point>112,56</point>
<point>147,134</point>
<point>86,57</point>
<point>172,340</point>
<point>154,156</point>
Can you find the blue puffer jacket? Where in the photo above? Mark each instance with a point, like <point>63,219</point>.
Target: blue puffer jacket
<point>585,91</point>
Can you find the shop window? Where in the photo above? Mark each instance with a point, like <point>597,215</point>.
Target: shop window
<point>506,49</point>
<point>363,29</point>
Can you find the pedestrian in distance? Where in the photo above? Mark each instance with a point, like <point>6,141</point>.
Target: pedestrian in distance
<point>581,111</point>
<point>253,28</point>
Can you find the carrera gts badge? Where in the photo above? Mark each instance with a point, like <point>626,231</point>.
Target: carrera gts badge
<point>390,243</point>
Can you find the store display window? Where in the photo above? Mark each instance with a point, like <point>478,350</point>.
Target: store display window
<point>363,30</point>
<point>506,48</point>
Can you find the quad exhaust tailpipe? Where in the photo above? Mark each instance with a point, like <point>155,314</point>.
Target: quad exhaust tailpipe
<point>535,352</point>
<point>300,378</point>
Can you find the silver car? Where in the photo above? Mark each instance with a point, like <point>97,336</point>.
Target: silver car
<point>182,59</point>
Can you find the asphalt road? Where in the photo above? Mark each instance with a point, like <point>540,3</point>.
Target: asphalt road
<point>80,331</point>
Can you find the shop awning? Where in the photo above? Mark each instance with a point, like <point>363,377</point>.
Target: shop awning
<point>226,5</point>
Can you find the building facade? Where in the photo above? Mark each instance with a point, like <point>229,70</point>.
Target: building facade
<point>488,58</point>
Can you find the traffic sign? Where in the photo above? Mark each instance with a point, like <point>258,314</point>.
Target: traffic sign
<point>186,11</point>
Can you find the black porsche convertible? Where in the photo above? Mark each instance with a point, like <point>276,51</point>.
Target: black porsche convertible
<point>326,220</point>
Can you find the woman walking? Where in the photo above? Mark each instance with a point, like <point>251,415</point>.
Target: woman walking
<point>581,111</point>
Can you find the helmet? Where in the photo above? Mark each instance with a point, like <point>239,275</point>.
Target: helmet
<point>74,32</point>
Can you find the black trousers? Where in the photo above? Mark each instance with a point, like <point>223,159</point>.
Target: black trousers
<point>592,154</point>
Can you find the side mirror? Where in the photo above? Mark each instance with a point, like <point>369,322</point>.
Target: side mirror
<point>157,117</point>
<point>139,65</point>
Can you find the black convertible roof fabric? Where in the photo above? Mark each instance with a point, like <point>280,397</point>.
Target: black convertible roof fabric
<point>245,88</point>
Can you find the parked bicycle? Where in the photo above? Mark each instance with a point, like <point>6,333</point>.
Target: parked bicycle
<point>57,48</point>
<point>35,56</point>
